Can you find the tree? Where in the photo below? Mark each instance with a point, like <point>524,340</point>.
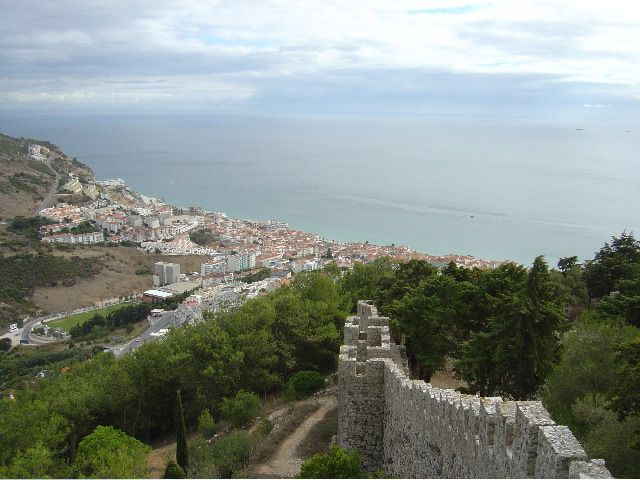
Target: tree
<point>420,317</point>
<point>338,463</point>
<point>35,462</point>
<point>5,344</point>
<point>619,260</point>
<point>303,384</point>
<point>567,263</point>
<point>182,449</point>
<point>111,453</point>
<point>588,366</point>
<point>23,424</point>
<point>522,336</point>
<point>206,424</point>
<point>626,392</point>
<point>240,409</point>
<point>624,302</point>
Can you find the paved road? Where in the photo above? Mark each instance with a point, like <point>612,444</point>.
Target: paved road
<point>162,322</point>
<point>45,201</point>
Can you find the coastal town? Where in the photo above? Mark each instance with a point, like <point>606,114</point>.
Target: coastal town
<point>242,258</point>
<point>118,214</point>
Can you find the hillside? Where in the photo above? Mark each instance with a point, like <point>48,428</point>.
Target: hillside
<point>28,181</point>
<point>52,278</point>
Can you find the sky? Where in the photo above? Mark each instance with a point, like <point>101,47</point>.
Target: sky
<point>572,58</point>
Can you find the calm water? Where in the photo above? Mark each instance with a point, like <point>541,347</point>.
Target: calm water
<point>487,188</point>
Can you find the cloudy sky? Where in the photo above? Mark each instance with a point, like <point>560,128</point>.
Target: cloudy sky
<point>325,56</point>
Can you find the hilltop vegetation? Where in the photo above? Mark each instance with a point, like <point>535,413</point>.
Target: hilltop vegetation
<point>566,336</point>
<point>569,337</point>
<point>254,348</point>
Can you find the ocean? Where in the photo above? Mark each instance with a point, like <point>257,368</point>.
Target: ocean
<point>492,188</point>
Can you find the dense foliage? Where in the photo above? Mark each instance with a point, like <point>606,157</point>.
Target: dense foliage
<point>569,336</point>
<point>255,348</point>
<point>240,409</point>
<point>110,453</point>
<point>338,463</point>
<point>303,384</point>
<point>501,324</point>
<point>29,226</point>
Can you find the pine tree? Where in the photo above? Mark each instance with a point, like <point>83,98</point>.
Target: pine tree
<point>182,450</point>
<point>519,348</point>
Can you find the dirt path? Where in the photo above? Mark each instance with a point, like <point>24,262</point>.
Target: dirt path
<point>285,463</point>
<point>158,458</point>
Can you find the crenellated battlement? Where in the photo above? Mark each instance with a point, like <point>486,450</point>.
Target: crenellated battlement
<point>411,429</point>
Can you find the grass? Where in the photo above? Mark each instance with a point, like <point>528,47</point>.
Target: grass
<point>67,323</point>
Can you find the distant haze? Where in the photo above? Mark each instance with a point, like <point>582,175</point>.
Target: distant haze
<point>491,188</point>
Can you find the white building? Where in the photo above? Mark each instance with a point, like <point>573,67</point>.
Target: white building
<point>210,268</point>
<point>38,152</point>
<point>152,222</point>
<point>165,273</point>
<point>84,238</point>
<point>239,262</point>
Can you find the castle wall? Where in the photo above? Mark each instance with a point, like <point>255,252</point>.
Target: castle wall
<point>411,429</point>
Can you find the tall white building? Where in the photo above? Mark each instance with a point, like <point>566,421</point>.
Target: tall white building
<point>239,262</point>
<point>165,273</point>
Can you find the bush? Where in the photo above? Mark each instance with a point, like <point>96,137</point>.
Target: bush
<point>265,427</point>
<point>206,424</point>
<point>5,344</point>
<point>338,463</point>
<point>232,453</point>
<point>174,470</point>
<point>303,384</point>
<point>111,453</point>
<point>240,409</point>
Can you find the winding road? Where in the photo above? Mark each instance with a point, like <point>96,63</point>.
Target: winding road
<point>45,201</point>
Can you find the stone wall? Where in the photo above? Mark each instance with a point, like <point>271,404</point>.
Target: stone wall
<point>411,429</point>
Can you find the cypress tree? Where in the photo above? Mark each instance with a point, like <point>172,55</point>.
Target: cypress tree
<point>182,450</point>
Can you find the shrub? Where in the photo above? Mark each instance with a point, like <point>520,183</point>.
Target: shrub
<point>232,453</point>
<point>338,463</point>
<point>240,409</point>
<point>265,427</point>
<point>174,470</point>
<point>303,384</point>
<point>5,344</point>
<point>206,424</point>
<point>111,453</point>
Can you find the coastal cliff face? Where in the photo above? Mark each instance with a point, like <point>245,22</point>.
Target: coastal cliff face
<point>411,429</point>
